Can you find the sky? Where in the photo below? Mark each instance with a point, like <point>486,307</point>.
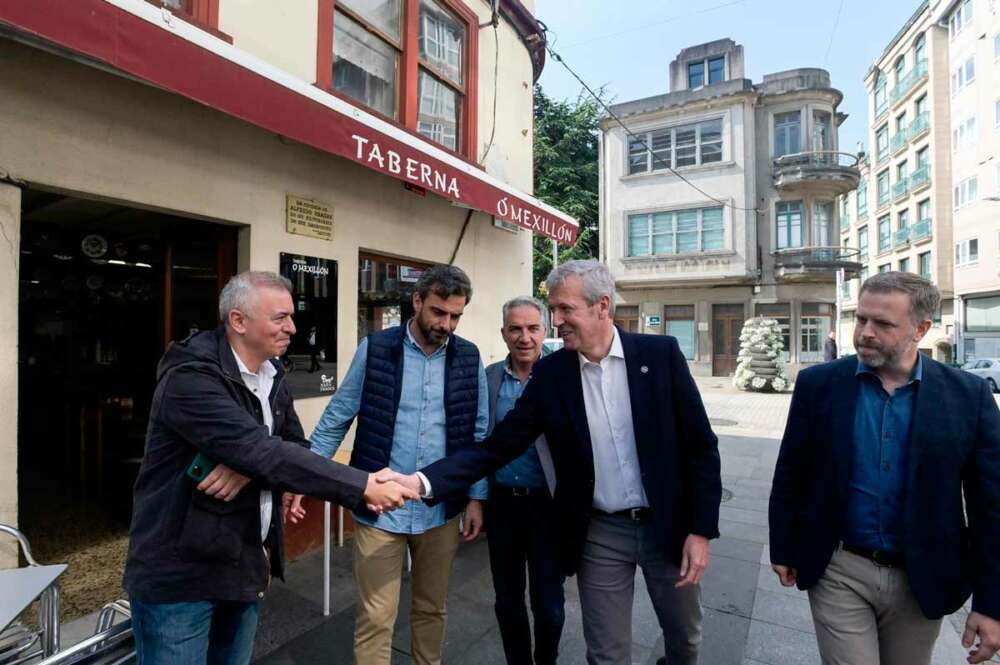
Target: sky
<point>627,45</point>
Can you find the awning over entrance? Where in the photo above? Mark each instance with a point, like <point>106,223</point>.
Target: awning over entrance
<point>137,39</point>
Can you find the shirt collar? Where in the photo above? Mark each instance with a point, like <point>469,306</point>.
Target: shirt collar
<point>917,375</point>
<point>266,369</point>
<point>615,352</point>
<point>412,340</point>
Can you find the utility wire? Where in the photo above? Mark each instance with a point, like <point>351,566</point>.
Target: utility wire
<point>558,58</point>
<point>833,33</point>
<point>496,76</point>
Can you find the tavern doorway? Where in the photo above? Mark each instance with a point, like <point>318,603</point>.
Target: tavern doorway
<point>103,289</point>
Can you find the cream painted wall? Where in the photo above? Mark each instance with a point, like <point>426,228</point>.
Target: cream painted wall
<point>283,34</point>
<point>10,224</point>
<point>107,137</point>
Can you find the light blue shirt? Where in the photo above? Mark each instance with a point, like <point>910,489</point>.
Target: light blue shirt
<point>420,433</point>
<point>526,470</point>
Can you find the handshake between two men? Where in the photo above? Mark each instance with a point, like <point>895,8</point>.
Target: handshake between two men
<point>386,491</point>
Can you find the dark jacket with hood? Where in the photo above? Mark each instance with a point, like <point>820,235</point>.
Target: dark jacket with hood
<point>185,545</point>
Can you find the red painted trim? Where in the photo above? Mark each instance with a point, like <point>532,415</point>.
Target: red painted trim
<point>409,66</point>
<point>203,14</point>
<point>324,45</point>
<point>529,30</point>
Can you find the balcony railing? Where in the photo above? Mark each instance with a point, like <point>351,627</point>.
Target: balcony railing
<point>920,125</point>
<point>898,141</point>
<point>825,260</point>
<point>920,230</point>
<point>902,237</point>
<point>837,171</point>
<point>908,82</point>
<point>921,177</point>
<point>901,189</point>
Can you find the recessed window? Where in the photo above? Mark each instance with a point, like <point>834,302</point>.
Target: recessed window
<point>788,215</point>
<point>863,242</point>
<point>882,187</point>
<point>884,234</point>
<point>963,75</point>
<point>787,133</point>
<point>676,232</point>
<point>416,77</point>
<point>675,147</point>
<point>712,70</point>
<point>924,265</point>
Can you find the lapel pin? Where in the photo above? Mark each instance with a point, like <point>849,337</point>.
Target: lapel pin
<point>644,369</point>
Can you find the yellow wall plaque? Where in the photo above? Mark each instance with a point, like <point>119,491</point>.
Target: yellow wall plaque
<point>308,217</point>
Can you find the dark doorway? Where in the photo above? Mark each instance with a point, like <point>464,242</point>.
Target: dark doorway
<point>103,289</point>
<point>727,324</point>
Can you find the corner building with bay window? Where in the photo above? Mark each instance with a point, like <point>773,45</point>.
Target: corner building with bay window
<point>150,149</point>
<point>759,238</point>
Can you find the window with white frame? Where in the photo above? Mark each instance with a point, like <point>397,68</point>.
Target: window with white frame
<point>966,192</point>
<point>676,232</point>
<point>963,136</point>
<point>679,322</point>
<point>882,142</point>
<point>863,242</point>
<point>903,219</point>
<point>885,267</point>
<point>881,102</point>
<point>924,265</point>
<point>963,75</point>
<point>675,147</point>
<point>787,133</point>
<point>862,197</point>
<point>996,113</point>
<point>900,68</point>
<point>814,327</point>
<point>960,18</point>
<point>919,49</point>
<point>967,252</point>
<point>920,106</point>
<point>712,70</point>
<point>904,264</point>
<point>822,214</point>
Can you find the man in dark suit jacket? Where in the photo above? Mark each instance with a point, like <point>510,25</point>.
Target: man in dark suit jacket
<point>636,464</point>
<point>867,509</point>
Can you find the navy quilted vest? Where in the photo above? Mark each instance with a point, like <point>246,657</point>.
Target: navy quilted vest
<point>380,400</point>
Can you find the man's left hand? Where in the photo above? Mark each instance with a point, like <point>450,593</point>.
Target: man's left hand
<point>223,483</point>
<point>473,522</point>
<point>988,631</point>
<point>694,561</point>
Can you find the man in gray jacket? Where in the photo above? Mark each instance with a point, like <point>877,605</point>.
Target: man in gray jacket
<point>519,511</point>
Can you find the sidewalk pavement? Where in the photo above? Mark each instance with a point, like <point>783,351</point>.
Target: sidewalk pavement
<point>750,619</point>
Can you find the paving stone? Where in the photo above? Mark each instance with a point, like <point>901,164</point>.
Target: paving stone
<point>776,645</point>
<point>742,515</point>
<point>734,548</point>
<point>730,587</point>
<point>724,637</point>
<point>783,610</point>
<point>751,532</point>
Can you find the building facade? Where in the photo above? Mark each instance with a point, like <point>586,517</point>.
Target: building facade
<point>176,142</point>
<point>973,29</point>
<point>718,204</point>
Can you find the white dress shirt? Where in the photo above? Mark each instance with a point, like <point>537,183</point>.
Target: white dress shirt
<point>260,383</point>
<point>606,397</point>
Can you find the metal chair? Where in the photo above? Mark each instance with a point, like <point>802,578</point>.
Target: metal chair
<point>19,642</point>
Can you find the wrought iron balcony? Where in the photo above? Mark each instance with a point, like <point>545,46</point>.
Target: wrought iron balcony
<point>920,178</point>
<point>920,125</point>
<point>810,262</point>
<point>908,82</point>
<point>921,230</point>
<point>902,237</point>
<point>836,172</point>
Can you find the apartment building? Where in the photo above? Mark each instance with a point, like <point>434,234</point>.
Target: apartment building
<point>718,204</point>
<point>900,216</point>
<point>973,29</point>
<point>149,149</point>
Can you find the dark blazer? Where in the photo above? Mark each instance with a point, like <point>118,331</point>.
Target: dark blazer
<point>954,450</point>
<point>678,453</point>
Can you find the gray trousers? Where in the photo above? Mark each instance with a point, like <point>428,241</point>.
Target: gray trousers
<point>606,579</point>
<point>866,613</point>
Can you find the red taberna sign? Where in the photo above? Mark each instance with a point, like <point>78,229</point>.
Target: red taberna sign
<point>148,43</point>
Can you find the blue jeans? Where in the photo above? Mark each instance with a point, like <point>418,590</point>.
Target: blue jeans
<point>206,632</point>
<point>521,539</point>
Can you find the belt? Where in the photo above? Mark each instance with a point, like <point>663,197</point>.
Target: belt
<point>634,514</point>
<point>520,491</point>
<point>880,557</point>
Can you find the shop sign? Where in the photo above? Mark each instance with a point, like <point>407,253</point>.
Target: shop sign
<point>308,217</point>
<point>653,321</point>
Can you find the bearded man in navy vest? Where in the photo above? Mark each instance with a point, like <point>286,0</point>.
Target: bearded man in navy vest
<point>419,394</point>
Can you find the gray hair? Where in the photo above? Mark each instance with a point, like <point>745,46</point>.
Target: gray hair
<point>525,301</point>
<point>596,278</point>
<point>444,281</point>
<point>925,298</point>
<point>240,292</point>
